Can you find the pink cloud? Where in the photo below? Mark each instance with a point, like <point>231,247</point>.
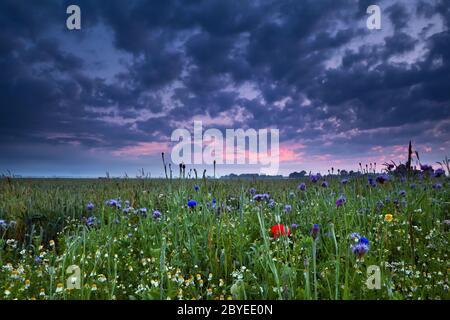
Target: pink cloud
<point>141,149</point>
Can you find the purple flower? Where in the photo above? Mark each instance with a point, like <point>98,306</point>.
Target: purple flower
<point>156,214</point>
<point>372,183</point>
<point>90,221</point>
<point>3,224</point>
<point>355,236</point>
<point>114,203</point>
<point>344,181</point>
<point>314,231</point>
<point>38,259</point>
<point>192,203</point>
<point>402,193</point>
<point>364,240</point>
<point>287,208</point>
<point>314,178</point>
<point>360,249</point>
<point>302,186</point>
<point>382,178</point>
<point>294,226</point>
<point>252,190</point>
<point>127,203</point>
<point>426,168</point>
<point>439,172</point>
<point>126,210</point>
<point>340,201</point>
<point>325,184</point>
<point>196,188</point>
<point>90,206</point>
<point>259,196</point>
<point>412,185</point>
<point>437,186</point>
<point>271,203</point>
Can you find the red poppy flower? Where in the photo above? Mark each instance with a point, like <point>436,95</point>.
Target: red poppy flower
<point>280,230</point>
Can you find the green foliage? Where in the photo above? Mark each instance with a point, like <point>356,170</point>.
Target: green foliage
<point>223,250</point>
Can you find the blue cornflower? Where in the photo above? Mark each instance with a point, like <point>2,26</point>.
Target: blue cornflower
<point>261,196</point>
<point>196,188</point>
<point>113,203</point>
<point>314,178</point>
<point>364,240</point>
<point>156,214</point>
<point>302,186</point>
<point>402,193</point>
<point>294,226</point>
<point>382,178</point>
<point>90,221</point>
<point>90,206</point>
<point>355,236</point>
<point>439,172</point>
<point>314,231</point>
<point>344,181</point>
<point>340,201</point>
<point>192,203</point>
<point>437,186</point>
<point>126,210</point>
<point>287,208</point>
<point>325,184</point>
<point>360,249</point>
<point>412,185</point>
<point>252,190</point>
<point>426,167</point>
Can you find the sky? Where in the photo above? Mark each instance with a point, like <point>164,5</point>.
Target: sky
<point>107,98</point>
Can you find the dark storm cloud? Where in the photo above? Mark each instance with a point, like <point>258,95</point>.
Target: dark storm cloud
<point>309,68</point>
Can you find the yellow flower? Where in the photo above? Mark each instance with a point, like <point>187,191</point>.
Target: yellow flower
<point>388,217</point>
<point>52,243</point>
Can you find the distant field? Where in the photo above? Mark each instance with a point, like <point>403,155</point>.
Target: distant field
<point>222,239</point>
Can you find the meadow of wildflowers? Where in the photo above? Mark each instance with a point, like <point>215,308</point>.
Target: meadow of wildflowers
<point>313,238</point>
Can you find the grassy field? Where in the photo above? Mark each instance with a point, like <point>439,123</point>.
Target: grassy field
<point>147,239</point>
